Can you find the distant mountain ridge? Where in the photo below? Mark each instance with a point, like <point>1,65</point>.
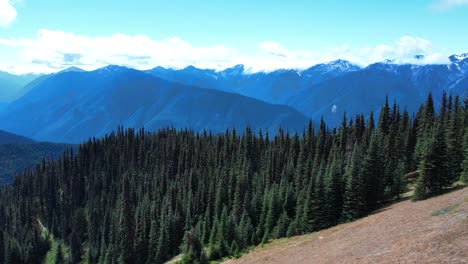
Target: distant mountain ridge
<point>274,87</point>
<point>9,138</point>
<point>72,106</point>
<point>329,89</point>
<point>11,85</point>
<point>365,90</point>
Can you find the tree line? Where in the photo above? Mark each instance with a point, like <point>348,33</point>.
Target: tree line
<point>139,197</point>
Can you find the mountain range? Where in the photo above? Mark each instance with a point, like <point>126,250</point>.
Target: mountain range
<point>73,105</point>
<point>330,89</point>
<point>9,138</point>
<point>11,86</point>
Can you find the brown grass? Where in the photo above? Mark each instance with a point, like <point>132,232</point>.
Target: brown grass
<point>404,232</point>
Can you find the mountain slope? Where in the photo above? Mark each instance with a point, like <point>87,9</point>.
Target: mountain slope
<point>18,152</point>
<point>29,86</point>
<point>431,231</point>
<point>330,89</point>
<point>9,138</point>
<point>73,106</point>
<point>273,87</point>
<point>14,158</point>
<point>365,90</point>
<point>10,85</point>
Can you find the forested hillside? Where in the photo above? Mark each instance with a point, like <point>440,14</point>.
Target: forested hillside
<point>9,138</point>
<point>138,197</point>
<point>15,158</point>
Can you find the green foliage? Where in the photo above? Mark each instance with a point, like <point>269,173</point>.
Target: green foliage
<point>464,168</point>
<point>437,151</point>
<point>59,259</point>
<point>354,205</point>
<point>420,191</point>
<point>52,254</point>
<point>12,253</point>
<point>193,249</point>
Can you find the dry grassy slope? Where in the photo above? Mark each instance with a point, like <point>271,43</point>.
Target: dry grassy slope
<point>431,231</point>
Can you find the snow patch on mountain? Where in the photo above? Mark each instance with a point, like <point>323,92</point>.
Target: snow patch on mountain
<point>457,58</point>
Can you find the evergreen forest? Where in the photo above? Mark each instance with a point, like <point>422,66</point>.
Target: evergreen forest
<point>145,197</point>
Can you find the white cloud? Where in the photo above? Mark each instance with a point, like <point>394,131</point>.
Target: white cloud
<point>443,5</point>
<point>7,13</point>
<point>272,55</point>
<point>52,51</point>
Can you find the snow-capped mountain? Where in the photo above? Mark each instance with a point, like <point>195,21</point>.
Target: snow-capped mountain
<point>365,90</point>
<point>338,85</point>
<point>457,58</point>
<point>273,87</point>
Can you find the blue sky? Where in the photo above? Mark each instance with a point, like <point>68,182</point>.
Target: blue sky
<point>259,33</point>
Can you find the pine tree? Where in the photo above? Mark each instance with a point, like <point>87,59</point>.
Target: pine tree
<point>281,226</point>
<point>334,188</point>
<point>59,256</point>
<point>384,118</point>
<point>75,248</point>
<point>12,254</point>
<point>464,173</point>
<point>214,246</point>
<point>318,207</point>
<point>373,173</point>
<point>270,217</point>
<point>433,168</point>
<point>399,182</point>
<point>425,128</point>
<point>420,191</point>
<point>126,223</point>
<point>141,240</point>
<point>234,249</point>
<point>245,230</point>
<point>454,138</point>
<point>152,242</point>
<point>441,177</point>
<point>162,245</point>
<point>354,196</point>
<point>193,250</point>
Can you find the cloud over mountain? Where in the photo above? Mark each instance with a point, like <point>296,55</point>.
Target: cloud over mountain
<point>53,50</point>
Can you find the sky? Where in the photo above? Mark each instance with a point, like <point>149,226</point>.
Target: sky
<point>51,35</point>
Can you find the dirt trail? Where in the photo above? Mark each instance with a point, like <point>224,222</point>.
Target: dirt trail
<point>404,232</point>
